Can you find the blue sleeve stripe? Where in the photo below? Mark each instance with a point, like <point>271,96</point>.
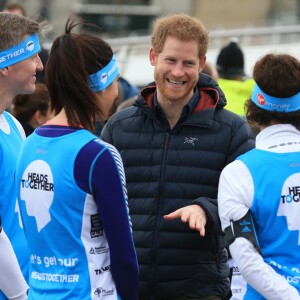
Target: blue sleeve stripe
<point>118,160</point>
<point>92,167</point>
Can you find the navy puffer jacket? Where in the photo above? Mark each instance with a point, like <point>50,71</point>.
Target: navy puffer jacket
<point>169,170</point>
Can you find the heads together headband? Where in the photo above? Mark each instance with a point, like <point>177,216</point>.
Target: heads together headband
<point>103,78</point>
<point>29,47</point>
<point>267,102</point>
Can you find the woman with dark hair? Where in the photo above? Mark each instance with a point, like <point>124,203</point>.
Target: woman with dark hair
<point>259,193</point>
<point>72,193</point>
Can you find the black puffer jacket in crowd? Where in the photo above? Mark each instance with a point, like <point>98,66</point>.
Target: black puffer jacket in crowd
<point>169,170</point>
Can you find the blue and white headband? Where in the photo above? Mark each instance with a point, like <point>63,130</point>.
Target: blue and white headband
<point>267,102</point>
<point>29,47</point>
<point>103,78</point>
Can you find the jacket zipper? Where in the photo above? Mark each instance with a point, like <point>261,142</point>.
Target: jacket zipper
<point>160,204</point>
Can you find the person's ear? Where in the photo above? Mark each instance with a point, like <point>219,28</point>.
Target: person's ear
<point>4,71</point>
<point>202,63</point>
<point>152,57</point>
<point>38,117</point>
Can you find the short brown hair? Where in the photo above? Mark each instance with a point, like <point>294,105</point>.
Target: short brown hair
<point>182,27</point>
<point>14,28</point>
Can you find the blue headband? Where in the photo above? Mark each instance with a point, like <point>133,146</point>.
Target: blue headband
<point>270,103</point>
<point>103,78</point>
<point>29,47</point>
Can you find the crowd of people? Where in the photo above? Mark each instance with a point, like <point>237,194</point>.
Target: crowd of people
<point>159,193</point>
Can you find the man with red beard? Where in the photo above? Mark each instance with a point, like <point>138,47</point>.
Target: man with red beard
<point>175,141</point>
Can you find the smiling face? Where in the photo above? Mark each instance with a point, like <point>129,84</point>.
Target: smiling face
<point>177,69</point>
<point>22,75</point>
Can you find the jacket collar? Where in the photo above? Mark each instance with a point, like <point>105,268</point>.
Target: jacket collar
<point>211,96</point>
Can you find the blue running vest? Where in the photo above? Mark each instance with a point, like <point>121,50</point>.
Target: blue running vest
<point>10,144</point>
<point>276,210</point>
<point>70,256</point>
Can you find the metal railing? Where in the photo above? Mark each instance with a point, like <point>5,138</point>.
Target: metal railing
<point>246,36</point>
<point>133,51</point>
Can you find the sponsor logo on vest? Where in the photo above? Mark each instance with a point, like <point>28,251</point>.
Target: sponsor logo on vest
<point>37,181</point>
<point>102,270</point>
<point>289,203</point>
<point>98,250</point>
<point>103,292</point>
<point>293,196</point>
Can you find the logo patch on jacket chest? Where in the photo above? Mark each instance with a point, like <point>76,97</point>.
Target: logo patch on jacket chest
<point>190,140</point>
